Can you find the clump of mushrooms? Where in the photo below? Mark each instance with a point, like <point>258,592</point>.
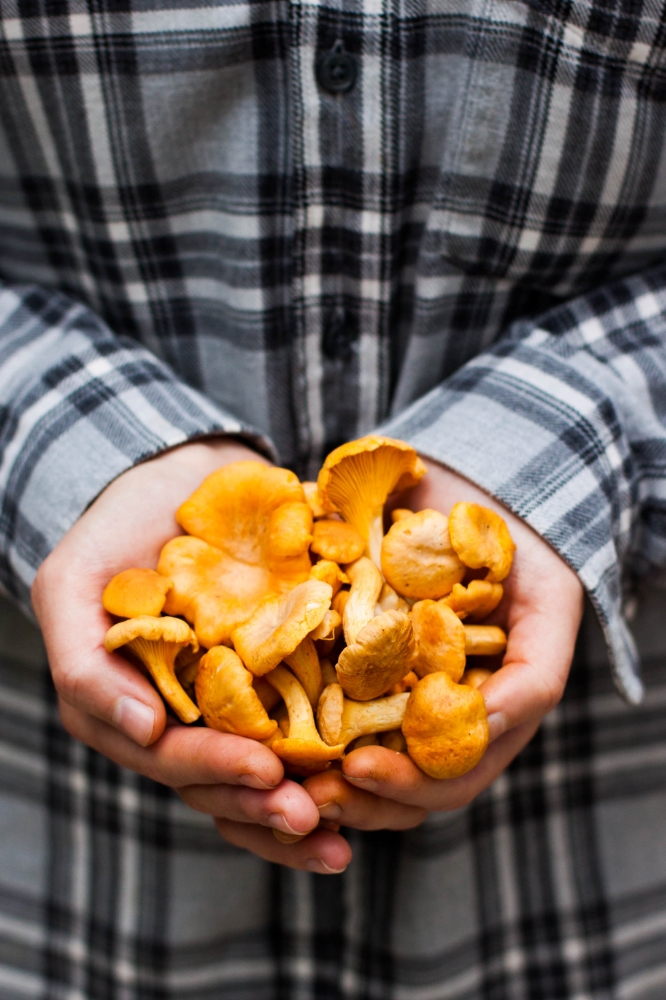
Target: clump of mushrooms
<point>284,613</point>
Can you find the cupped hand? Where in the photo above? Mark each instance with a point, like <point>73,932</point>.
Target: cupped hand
<point>541,611</point>
<point>112,707</point>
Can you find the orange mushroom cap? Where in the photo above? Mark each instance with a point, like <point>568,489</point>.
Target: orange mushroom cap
<point>481,538</point>
<point>252,529</point>
<point>357,477</point>
<point>380,656</point>
<point>475,601</point>
<point>446,726</point>
<point>418,560</point>
<point>440,639</point>
<point>227,699</point>
<point>136,592</point>
<point>337,541</point>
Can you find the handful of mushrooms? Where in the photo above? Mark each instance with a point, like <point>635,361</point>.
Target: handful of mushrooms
<point>284,613</point>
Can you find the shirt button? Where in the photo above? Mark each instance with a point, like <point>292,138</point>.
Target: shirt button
<point>338,337</point>
<point>336,70</point>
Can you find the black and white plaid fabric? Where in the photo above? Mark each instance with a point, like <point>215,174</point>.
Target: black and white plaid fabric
<point>463,241</point>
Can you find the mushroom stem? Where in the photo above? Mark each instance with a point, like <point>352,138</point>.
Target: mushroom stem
<point>484,640</point>
<point>304,746</point>
<point>342,720</point>
<point>159,657</point>
<point>376,537</point>
<point>305,664</point>
<point>366,585</point>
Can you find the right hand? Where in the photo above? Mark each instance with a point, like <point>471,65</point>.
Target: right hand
<point>108,704</point>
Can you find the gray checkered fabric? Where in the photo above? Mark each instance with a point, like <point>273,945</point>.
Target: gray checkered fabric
<point>464,243</point>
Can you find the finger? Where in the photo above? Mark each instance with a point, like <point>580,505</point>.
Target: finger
<point>395,776</point>
<point>536,665</point>
<point>342,803</point>
<point>322,852</point>
<point>183,755</point>
<point>287,808</point>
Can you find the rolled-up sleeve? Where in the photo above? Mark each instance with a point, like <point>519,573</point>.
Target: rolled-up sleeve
<point>564,421</point>
<point>78,406</point>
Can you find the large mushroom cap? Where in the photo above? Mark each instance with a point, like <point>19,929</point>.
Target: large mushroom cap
<point>227,699</point>
<point>157,642</point>
<point>445,726</point>
<point>481,538</point>
<point>136,592</point>
<point>440,639</point>
<point>357,477</point>
<point>280,624</point>
<point>418,560</point>
<point>253,531</point>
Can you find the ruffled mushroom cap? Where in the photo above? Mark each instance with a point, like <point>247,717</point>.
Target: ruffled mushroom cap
<point>418,560</point>
<point>445,726</point>
<point>357,477</point>
<point>304,747</point>
<point>484,640</point>
<point>252,532</point>
<point>136,592</point>
<point>481,538</point>
<point>380,657</point>
<point>340,720</point>
<point>475,601</point>
<point>227,699</point>
<point>156,642</point>
<point>336,540</point>
<point>279,624</point>
<point>440,639</point>
<point>359,609</point>
<point>330,573</point>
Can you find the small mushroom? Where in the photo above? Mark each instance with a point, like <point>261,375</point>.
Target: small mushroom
<point>227,699</point>
<point>329,572</point>
<point>481,538</point>
<point>476,676</point>
<point>313,500</point>
<point>418,560</point>
<point>279,625</point>
<point>394,740</point>
<point>304,663</point>
<point>186,666</point>
<point>156,643</point>
<point>380,657</point>
<point>336,540</point>
<point>327,632</point>
<point>440,639</point>
<point>445,726</point>
<point>341,720</point>
<point>339,602</point>
<point>398,513</point>
<point>328,674</point>
<point>369,740</point>
<point>409,681</point>
<point>252,532</point>
<point>475,601</point>
<point>388,600</point>
<point>357,477</point>
<point>366,585</point>
<point>484,640</point>
<point>303,748</point>
<point>136,592</point>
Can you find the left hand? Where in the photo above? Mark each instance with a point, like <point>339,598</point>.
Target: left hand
<point>541,611</point>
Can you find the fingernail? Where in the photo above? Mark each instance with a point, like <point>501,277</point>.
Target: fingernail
<point>278,822</point>
<point>497,724</point>
<point>253,781</point>
<point>369,784</point>
<point>135,719</point>
<point>287,838</point>
<point>330,810</point>
<point>320,867</point>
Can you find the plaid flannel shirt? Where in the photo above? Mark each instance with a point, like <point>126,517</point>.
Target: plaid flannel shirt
<point>464,242</point>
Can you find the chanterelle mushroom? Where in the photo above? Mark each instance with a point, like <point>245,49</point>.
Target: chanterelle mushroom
<point>279,624</point>
<point>357,477</point>
<point>341,720</point>
<point>136,592</point>
<point>417,557</point>
<point>359,609</point>
<point>226,697</point>
<point>157,642</point>
<point>484,640</point>
<point>304,747</point>
<point>337,541</point>
<point>481,538</point>
<point>445,726</point>
<point>440,639</point>
<point>381,656</point>
<point>253,532</point>
<point>476,600</point>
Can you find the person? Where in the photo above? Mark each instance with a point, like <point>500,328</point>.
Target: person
<point>235,230</point>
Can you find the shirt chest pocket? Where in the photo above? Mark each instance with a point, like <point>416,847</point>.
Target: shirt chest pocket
<point>553,162</point>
